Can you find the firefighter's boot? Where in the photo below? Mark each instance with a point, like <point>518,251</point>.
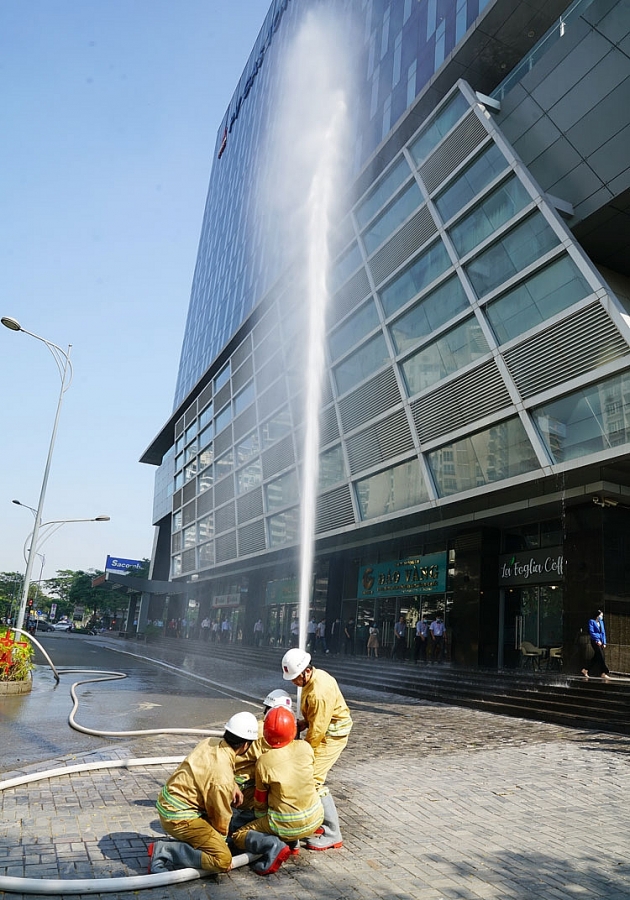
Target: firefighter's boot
<point>165,856</point>
<point>272,851</point>
<point>330,835</point>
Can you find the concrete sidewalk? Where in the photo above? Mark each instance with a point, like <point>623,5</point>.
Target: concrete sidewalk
<point>435,802</point>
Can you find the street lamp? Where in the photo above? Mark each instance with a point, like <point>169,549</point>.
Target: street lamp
<point>64,367</point>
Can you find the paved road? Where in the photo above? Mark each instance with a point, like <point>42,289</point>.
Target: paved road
<point>435,802</point>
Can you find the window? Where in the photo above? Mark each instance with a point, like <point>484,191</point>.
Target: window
<point>361,364</point>
<point>443,122</point>
<point>205,416</point>
<point>425,269</point>
<point>471,182</point>
<point>249,477</point>
<point>247,448</point>
<point>433,311</point>
<point>206,527</point>
<point>454,350</point>
<point>190,536</point>
<point>222,378</point>
<point>244,398</point>
<point>350,333</point>
<point>343,269</point>
<point>395,214</point>
<point>331,468</point>
<point>382,191</point>
<point>283,491</point>
<point>284,528</point>
<point>394,489</point>
<point>224,464</point>
<point>223,419</point>
<point>275,428</point>
<point>545,293</point>
<point>498,208</point>
<point>515,250</point>
<point>502,451</point>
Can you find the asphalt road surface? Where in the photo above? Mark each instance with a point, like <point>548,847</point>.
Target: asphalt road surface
<point>35,727</point>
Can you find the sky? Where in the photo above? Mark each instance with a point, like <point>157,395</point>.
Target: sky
<point>109,114</point>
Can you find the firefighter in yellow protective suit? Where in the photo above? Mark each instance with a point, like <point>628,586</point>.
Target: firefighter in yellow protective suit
<point>326,717</point>
<point>286,802</point>
<point>195,804</point>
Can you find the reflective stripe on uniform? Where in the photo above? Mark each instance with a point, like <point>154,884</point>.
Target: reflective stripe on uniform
<point>288,825</point>
<point>172,809</point>
<point>340,728</point>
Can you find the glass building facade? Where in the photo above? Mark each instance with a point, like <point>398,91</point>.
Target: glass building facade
<point>478,360</point>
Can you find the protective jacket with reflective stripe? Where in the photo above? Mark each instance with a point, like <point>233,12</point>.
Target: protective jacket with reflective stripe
<point>285,791</point>
<point>324,708</point>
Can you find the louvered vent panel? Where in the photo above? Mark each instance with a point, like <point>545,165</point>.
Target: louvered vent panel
<point>188,560</point>
<point>379,442</point>
<point>190,414</point>
<point>189,513</point>
<point>453,151</point>
<point>249,506</point>
<point>205,396</point>
<point>568,349</point>
<point>190,490</point>
<point>347,298</point>
<point>243,375</point>
<point>241,353</point>
<point>225,518</point>
<point>223,441</point>
<point>460,402</point>
<point>224,490</point>
<point>327,394</point>
<point>177,499</point>
<point>328,429</point>
<point>179,427</point>
<point>204,502</point>
<point>251,538</point>
<point>274,397</point>
<point>225,547</point>
<point>405,242</point>
<point>245,422</point>
<point>334,510</point>
<point>278,457</point>
<point>375,397</point>
<point>222,397</point>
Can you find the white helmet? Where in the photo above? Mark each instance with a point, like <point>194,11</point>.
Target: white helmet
<point>277,698</point>
<point>243,725</point>
<point>294,662</point>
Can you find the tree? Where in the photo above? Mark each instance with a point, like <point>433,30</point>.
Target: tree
<point>10,592</point>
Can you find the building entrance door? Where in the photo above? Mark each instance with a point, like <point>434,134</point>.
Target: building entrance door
<point>532,614</point>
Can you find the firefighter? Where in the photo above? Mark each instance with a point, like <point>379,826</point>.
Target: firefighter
<point>286,802</point>
<point>326,717</point>
<point>195,804</point>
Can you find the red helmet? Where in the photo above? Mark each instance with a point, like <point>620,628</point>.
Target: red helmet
<point>279,727</point>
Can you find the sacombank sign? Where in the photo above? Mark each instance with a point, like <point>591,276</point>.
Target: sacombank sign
<point>121,566</point>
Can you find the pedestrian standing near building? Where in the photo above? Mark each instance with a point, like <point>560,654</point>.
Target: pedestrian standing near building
<point>205,628</point>
<point>438,633</point>
<point>295,632</point>
<point>348,637</point>
<point>226,630</point>
<point>286,803</point>
<point>214,631</point>
<point>311,634</point>
<point>258,632</point>
<point>335,636</point>
<point>400,638</point>
<point>195,804</point>
<point>326,718</point>
<point>597,634</point>
<point>373,642</point>
<point>420,641</point>
<point>320,636</point>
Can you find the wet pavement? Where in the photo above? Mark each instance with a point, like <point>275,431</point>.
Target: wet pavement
<point>434,802</point>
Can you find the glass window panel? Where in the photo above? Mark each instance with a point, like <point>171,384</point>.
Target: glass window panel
<point>190,536</point>
<point>190,451</point>
<point>206,436</point>
<point>224,418</point>
<point>205,457</point>
<point>179,480</point>
<point>350,333</point>
<point>244,398</point>
<point>383,190</point>
<point>500,452</point>
<point>342,270</point>
<point>397,488</point>
<point>222,378</point>
<point>454,350</point>
<point>249,477</point>
<point>206,555</point>
<point>587,421</point>
<point>513,252</point>
<point>276,427</point>
<point>224,464</point>
<point>179,461</point>
<point>415,277</point>
<point>282,491</point>
<point>179,444</point>
<point>392,217</point>
<point>444,121</point>
<point>190,471</point>
<point>370,357</point>
<point>205,480</point>
<point>191,432</point>
<point>498,208</point>
<point>284,528</point>
<point>544,294</point>
<point>205,416</point>
<point>176,542</point>
<point>471,182</point>
<point>177,520</point>
<point>176,566</point>
<point>247,448</point>
<point>206,527</point>
<point>331,467</point>
<point>431,313</point>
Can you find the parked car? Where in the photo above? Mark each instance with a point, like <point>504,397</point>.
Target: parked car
<point>63,626</point>
<point>42,625</point>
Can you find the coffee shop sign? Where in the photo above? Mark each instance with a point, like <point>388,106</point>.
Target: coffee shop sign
<point>532,568</point>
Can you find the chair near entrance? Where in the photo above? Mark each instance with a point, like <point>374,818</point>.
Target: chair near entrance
<point>532,655</point>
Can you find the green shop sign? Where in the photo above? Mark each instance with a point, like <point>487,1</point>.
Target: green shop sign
<point>420,575</point>
<point>285,590</point>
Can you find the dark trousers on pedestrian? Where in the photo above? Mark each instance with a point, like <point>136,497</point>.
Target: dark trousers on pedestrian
<point>597,665</point>
<point>420,649</point>
<point>438,648</point>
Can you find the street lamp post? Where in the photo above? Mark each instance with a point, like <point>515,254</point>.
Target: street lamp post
<point>64,367</point>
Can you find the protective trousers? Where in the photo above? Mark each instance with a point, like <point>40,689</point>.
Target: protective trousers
<point>331,832</point>
<point>169,855</point>
<point>199,833</point>
<point>326,755</point>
